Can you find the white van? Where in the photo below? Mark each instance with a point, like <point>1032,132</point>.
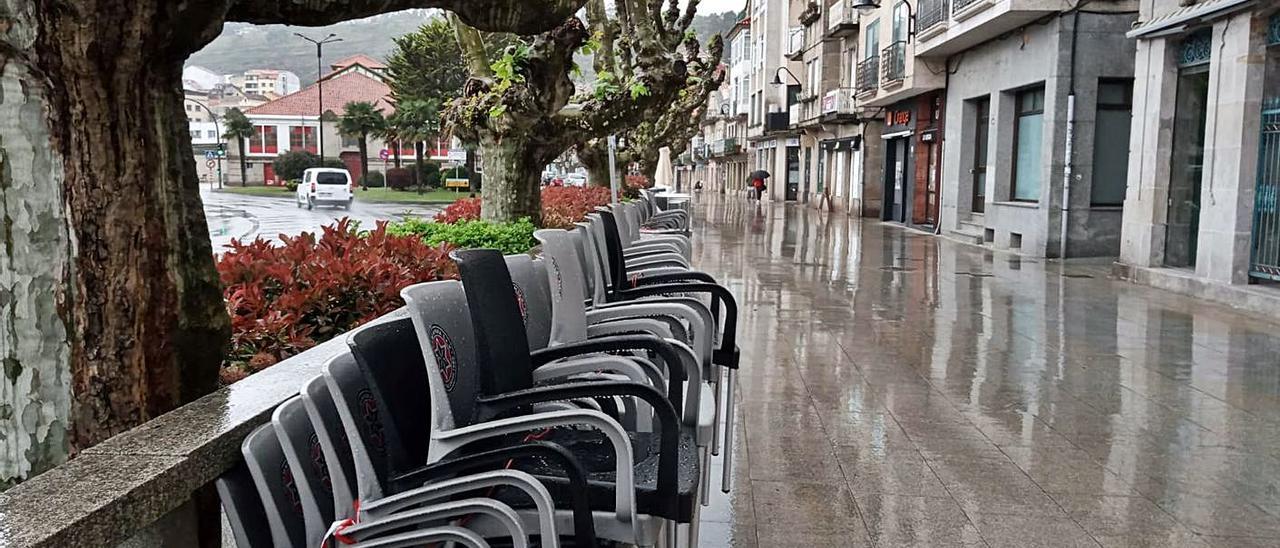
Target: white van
<point>325,186</point>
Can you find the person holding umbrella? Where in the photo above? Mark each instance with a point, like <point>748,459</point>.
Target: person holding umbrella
<point>757,183</point>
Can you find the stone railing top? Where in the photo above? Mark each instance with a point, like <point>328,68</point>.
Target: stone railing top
<point>124,484</point>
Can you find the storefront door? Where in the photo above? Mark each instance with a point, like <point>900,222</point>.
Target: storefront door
<point>793,173</point>
<point>1182,224</point>
<point>896,160</point>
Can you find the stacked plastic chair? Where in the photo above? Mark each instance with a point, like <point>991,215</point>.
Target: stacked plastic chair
<point>539,401</point>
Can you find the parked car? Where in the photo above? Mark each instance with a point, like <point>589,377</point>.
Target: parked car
<point>325,186</point>
<point>575,179</point>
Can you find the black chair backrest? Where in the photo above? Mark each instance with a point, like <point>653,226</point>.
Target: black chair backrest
<point>277,486</point>
<point>391,361</point>
<point>364,420</point>
<point>243,507</point>
<point>306,459</point>
<point>502,356</point>
<point>613,245</point>
<point>323,412</point>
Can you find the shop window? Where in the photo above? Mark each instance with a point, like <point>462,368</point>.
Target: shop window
<point>1111,142</point>
<point>1028,145</point>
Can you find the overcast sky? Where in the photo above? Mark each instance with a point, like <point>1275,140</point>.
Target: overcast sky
<point>717,6</point>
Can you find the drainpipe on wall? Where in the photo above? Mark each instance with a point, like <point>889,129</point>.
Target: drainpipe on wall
<point>1069,146</point>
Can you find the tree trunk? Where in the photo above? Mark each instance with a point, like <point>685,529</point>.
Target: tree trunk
<point>244,168</point>
<point>472,177</point>
<point>512,188</point>
<point>112,308</point>
<point>364,161</point>
<point>417,165</point>
<point>594,155</point>
<point>396,153</point>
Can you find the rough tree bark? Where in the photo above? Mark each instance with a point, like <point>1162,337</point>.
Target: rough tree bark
<point>536,110</point>
<point>664,124</point>
<point>110,307</point>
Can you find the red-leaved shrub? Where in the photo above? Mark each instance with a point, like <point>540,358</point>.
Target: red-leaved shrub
<point>465,209</point>
<point>564,205</point>
<point>287,297</point>
<point>561,206</point>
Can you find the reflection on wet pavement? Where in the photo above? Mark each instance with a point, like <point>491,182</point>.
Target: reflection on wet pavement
<point>900,389</point>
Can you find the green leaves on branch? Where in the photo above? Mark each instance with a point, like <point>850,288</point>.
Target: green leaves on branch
<point>638,90</point>
<point>606,84</point>
<point>506,69</point>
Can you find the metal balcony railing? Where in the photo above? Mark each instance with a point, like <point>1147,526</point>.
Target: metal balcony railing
<point>893,62</point>
<point>795,42</point>
<point>932,12</point>
<point>959,5</point>
<point>868,75</point>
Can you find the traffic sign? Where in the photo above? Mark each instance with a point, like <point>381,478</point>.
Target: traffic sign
<point>384,154</point>
<point>210,154</point>
<point>209,163</point>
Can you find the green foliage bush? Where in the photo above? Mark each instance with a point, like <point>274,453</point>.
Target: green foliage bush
<point>292,184</point>
<point>509,238</point>
<point>290,165</point>
<point>431,174</point>
<point>399,178</point>
<point>374,180</point>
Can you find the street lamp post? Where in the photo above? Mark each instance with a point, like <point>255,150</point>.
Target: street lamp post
<point>216,128</point>
<point>320,83</point>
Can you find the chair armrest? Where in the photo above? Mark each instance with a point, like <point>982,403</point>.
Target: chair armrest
<point>428,537</point>
<point>624,494</point>
<point>583,525</point>
<point>699,322</point>
<point>669,441</point>
<point>623,343</point>
<point>385,507</point>
<point>727,354</point>
<point>431,514</point>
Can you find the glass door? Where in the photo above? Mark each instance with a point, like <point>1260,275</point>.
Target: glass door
<point>982,115</point>
<point>793,173</point>
<point>1182,224</point>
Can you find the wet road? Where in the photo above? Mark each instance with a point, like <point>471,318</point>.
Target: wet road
<point>899,389</point>
<point>234,216</point>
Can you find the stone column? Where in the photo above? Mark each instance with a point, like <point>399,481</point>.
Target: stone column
<point>1155,87</point>
<point>1231,148</point>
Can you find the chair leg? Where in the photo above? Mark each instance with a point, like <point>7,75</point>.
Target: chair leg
<point>716,386</point>
<point>692,540</point>
<point>704,460</point>
<point>672,537</point>
<point>728,434</point>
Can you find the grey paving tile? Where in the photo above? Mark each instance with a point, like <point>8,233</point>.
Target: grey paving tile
<point>900,520</point>
<point>1220,515</point>
<point>824,508</point>
<point>1001,530</point>
<point>891,471</point>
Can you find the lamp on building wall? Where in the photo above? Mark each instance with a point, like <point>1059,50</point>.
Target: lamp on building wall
<point>777,76</point>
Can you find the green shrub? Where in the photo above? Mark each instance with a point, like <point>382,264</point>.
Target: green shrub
<point>509,238</point>
<point>292,184</point>
<point>375,179</point>
<point>399,178</point>
<point>430,174</point>
<point>290,165</point>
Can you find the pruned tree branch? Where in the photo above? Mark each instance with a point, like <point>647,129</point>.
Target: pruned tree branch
<point>471,42</point>
<point>519,16</point>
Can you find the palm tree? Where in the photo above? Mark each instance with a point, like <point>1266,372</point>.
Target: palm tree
<point>417,120</point>
<point>390,135</point>
<point>360,119</point>
<point>239,128</point>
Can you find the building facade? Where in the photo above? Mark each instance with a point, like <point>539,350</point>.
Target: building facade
<point>292,123</point>
<point>1036,127</point>
<point>271,83</point>
<point>1200,211</point>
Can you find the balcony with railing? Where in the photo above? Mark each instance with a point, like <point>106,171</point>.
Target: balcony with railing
<point>838,106</point>
<point>947,27</point>
<point>724,147</point>
<point>932,18</point>
<point>795,43</point>
<point>842,20</point>
<point>868,76</point>
<point>777,121</point>
<point>893,64</point>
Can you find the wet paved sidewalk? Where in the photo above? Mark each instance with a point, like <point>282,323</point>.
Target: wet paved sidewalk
<point>900,389</point>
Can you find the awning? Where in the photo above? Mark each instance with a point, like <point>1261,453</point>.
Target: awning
<point>1178,20</point>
